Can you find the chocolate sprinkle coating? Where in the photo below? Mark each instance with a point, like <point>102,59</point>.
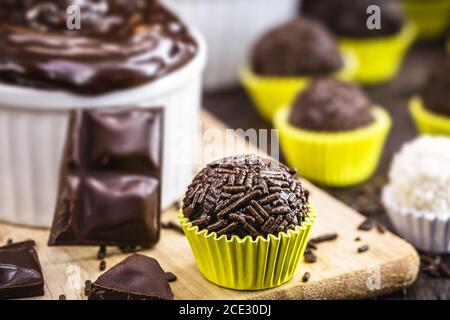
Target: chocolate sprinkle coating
<point>236,196</point>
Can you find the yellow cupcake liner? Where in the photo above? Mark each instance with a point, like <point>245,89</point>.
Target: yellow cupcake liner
<point>430,17</point>
<point>428,122</point>
<point>244,263</point>
<point>271,93</point>
<point>379,59</point>
<point>334,158</point>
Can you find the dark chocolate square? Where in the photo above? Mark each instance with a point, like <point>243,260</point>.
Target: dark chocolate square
<point>20,271</point>
<point>118,140</point>
<point>110,182</point>
<point>136,278</point>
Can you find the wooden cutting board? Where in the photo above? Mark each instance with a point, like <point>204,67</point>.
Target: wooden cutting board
<point>339,273</point>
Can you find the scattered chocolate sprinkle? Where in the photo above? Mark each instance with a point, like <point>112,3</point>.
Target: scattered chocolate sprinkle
<point>323,238</point>
<point>102,266</point>
<point>363,248</point>
<point>311,246</point>
<point>171,277</point>
<point>306,277</point>
<point>434,265</point>
<point>101,253</point>
<point>10,241</point>
<point>174,226</point>
<point>87,287</point>
<point>310,256</point>
<point>381,228</point>
<point>358,239</point>
<point>62,297</point>
<point>246,195</point>
<point>366,225</point>
<point>368,200</point>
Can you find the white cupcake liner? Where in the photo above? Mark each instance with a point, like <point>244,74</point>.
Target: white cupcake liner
<point>33,128</point>
<point>425,230</point>
<point>231,27</point>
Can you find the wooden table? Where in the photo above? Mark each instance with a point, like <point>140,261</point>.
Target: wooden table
<point>235,109</point>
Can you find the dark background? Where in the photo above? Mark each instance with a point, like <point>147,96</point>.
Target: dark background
<point>236,110</point>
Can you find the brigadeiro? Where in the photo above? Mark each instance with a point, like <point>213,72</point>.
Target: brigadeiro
<point>238,197</point>
<point>333,133</point>
<point>348,18</point>
<point>331,105</point>
<point>297,48</point>
<point>436,92</point>
<point>236,207</point>
<point>431,108</point>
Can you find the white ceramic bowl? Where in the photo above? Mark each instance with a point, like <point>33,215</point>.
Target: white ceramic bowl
<point>231,27</point>
<point>33,128</point>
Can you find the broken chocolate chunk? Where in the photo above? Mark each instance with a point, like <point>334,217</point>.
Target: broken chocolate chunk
<point>20,271</point>
<point>136,278</point>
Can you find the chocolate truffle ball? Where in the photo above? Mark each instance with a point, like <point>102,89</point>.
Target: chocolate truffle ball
<point>348,18</point>
<point>246,195</point>
<point>436,93</point>
<point>299,47</point>
<point>330,105</point>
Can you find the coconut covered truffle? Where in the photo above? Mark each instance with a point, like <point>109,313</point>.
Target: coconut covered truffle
<point>330,105</point>
<point>436,93</point>
<point>246,195</point>
<point>420,175</point>
<point>298,47</point>
<point>348,18</point>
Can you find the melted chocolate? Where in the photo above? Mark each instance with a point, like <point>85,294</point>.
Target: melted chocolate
<point>121,44</point>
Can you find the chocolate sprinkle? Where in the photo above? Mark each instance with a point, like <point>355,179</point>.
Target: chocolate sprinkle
<point>174,226</point>
<point>381,228</point>
<point>10,241</point>
<point>306,277</point>
<point>62,297</point>
<point>171,277</point>
<point>310,256</point>
<point>246,195</point>
<point>102,265</point>
<point>101,253</point>
<point>434,265</point>
<point>366,225</point>
<point>323,238</point>
<point>363,248</point>
<point>87,287</point>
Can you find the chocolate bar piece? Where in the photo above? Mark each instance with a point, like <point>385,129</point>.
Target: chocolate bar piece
<point>136,278</point>
<point>110,183</point>
<point>20,271</point>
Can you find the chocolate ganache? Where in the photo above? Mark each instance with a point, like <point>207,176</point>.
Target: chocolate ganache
<point>120,44</point>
